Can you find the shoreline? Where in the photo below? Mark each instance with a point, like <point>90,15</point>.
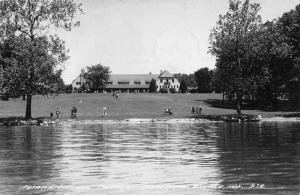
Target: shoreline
<point>147,107</point>
<point>19,121</point>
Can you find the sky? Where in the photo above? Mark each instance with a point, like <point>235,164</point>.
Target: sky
<point>143,36</point>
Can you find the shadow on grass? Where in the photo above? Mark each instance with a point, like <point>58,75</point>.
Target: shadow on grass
<point>283,106</point>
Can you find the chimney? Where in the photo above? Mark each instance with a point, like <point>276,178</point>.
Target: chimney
<point>82,71</point>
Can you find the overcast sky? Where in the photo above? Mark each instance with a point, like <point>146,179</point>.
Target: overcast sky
<point>142,36</point>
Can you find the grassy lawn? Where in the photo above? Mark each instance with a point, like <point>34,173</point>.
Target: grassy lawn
<point>127,106</point>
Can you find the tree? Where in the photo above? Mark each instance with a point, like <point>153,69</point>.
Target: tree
<point>188,78</point>
<point>17,78</point>
<point>235,41</point>
<point>275,52</point>
<point>68,88</point>
<point>35,54</point>
<point>96,76</point>
<point>152,86</point>
<point>289,26</point>
<point>203,78</point>
<point>183,87</point>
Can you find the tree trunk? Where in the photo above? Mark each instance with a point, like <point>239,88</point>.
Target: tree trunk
<point>253,102</point>
<point>275,102</point>
<point>28,107</point>
<point>238,105</point>
<point>223,98</point>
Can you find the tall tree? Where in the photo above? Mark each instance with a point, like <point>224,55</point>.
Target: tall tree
<point>152,86</point>
<point>183,86</point>
<point>203,78</point>
<point>96,76</point>
<point>289,25</point>
<point>188,78</point>
<point>35,52</point>
<point>275,52</point>
<point>234,42</point>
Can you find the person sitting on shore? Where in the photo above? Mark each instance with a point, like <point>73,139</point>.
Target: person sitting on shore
<point>74,112</point>
<point>169,111</point>
<point>51,114</point>
<point>196,110</point>
<point>193,109</point>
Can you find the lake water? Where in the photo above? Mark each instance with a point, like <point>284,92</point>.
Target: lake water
<point>151,158</point>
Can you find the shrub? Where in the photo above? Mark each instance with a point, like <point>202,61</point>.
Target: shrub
<point>193,90</point>
<point>172,90</point>
<point>163,90</point>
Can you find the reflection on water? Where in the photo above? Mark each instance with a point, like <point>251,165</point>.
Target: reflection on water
<point>209,158</point>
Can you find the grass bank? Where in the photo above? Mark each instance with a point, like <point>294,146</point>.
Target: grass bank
<point>127,106</point>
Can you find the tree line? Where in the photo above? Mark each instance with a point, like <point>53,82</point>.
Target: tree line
<point>257,60</point>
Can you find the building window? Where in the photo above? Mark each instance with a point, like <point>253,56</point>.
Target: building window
<point>78,83</point>
<point>123,83</point>
<point>137,82</point>
<point>147,82</point>
<point>109,83</point>
<point>161,80</point>
<point>172,80</point>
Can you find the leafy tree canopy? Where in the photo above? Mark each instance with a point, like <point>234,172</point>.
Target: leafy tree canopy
<point>29,51</point>
<point>203,78</point>
<point>152,86</point>
<point>97,75</point>
<point>235,41</point>
<point>183,87</point>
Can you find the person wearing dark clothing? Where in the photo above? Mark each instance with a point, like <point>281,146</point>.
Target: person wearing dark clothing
<point>74,112</point>
<point>57,113</point>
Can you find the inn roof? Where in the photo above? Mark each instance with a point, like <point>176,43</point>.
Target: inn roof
<point>132,77</point>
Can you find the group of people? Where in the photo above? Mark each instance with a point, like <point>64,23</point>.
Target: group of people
<point>197,110</point>
<point>56,113</point>
<point>74,112</point>
<point>115,95</point>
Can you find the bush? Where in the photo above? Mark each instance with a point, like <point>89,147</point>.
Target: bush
<point>68,88</point>
<point>4,96</point>
<point>163,90</point>
<point>172,90</point>
<point>193,91</point>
